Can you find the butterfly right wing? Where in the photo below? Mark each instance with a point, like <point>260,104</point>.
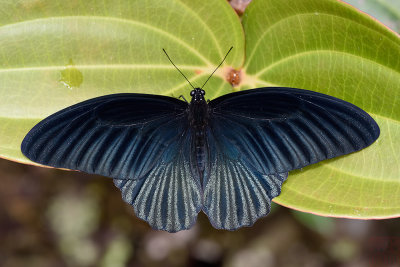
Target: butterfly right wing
<point>281,129</point>
<point>255,137</point>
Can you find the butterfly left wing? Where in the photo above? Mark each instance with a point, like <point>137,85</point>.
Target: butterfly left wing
<point>140,140</point>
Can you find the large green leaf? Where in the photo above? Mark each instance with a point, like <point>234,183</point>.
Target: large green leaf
<point>329,47</point>
<point>56,53</point>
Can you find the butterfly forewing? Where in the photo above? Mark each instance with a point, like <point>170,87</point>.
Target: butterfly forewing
<point>122,136</point>
<point>277,130</point>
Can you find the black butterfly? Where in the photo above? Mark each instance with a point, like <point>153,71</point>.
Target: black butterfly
<point>227,157</point>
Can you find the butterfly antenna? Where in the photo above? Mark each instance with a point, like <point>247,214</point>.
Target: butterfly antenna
<point>218,66</point>
<point>178,69</point>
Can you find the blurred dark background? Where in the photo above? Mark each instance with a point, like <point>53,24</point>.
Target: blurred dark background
<point>52,218</point>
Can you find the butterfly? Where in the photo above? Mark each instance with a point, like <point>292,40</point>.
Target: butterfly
<point>227,157</point>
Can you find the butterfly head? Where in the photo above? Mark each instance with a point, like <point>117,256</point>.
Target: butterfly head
<point>197,95</point>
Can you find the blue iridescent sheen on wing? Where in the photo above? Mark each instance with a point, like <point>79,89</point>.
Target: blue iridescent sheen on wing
<point>277,130</point>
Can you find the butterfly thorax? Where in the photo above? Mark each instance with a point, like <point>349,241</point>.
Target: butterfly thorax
<point>198,118</point>
<point>198,109</point>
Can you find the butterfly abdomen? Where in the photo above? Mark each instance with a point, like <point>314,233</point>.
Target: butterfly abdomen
<point>200,150</point>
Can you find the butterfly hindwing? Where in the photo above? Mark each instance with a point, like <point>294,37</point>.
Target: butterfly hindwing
<point>277,130</point>
<point>169,197</point>
<point>235,193</point>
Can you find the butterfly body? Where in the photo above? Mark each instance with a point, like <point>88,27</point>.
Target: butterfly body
<point>198,118</point>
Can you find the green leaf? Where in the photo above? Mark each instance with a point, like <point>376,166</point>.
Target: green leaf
<point>56,53</point>
<point>386,11</point>
<point>329,47</point>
